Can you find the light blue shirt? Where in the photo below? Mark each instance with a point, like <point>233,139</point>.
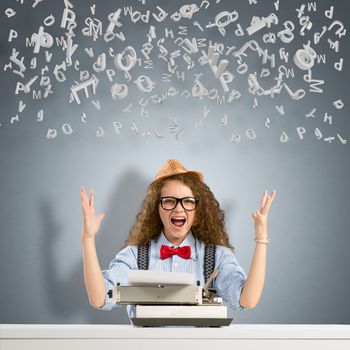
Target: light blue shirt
<point>228,283</point>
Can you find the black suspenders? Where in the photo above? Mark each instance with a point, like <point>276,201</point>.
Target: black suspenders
<point>209,262</point>
<point>209,259</point>
<point>142,257</point>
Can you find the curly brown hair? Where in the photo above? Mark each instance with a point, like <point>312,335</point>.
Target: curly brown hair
<point>209,222</point>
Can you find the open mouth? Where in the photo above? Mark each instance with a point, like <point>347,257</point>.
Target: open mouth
<point>178,222</point>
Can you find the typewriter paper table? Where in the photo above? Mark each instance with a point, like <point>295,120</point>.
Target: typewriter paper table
<point>234,337</point>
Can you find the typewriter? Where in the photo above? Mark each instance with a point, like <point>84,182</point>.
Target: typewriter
<point>161,303</point>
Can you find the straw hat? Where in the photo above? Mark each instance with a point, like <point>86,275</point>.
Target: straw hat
<point>173,167</point>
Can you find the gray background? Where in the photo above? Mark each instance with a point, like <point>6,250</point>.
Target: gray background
<point>40,263</point>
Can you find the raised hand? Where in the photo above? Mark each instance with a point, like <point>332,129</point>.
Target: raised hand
<point>91,222</point>
<point>260,215</point>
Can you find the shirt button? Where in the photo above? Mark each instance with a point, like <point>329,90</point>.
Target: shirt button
<point>175,264</point>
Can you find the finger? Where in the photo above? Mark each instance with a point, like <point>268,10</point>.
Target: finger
<point>273,195</point>
<point>269,201</point>
<point>82,191</point>
<point>83,197</point>
<point>91,198</point>
<point>100,217</point>
<point>255,215</point>
<point>264,199</point>
<point>270,198</point>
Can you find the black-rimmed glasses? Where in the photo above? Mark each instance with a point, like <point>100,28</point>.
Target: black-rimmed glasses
<point>170,203</point>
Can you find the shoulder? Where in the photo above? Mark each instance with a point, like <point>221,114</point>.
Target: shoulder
<point>225,254</point>
<point>128,252</point>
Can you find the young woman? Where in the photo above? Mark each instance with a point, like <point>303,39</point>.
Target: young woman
<point>178,218</point>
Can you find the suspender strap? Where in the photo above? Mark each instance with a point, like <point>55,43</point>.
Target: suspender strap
<point>142,257</point>
<point>209,262</point>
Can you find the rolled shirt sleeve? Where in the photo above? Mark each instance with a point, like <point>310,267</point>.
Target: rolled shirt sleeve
<point>231,278</point>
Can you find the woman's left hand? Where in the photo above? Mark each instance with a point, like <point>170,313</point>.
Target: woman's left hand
<point>260,215</point>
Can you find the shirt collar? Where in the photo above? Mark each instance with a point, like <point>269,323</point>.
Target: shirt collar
<point>189,240</point>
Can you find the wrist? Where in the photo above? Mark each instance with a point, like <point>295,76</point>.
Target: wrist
<point>261,234</point>
<point>85,239</point>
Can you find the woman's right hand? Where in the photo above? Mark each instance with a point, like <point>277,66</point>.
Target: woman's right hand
<point>91,222</point>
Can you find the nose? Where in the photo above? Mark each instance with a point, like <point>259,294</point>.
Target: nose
<point>178,207</point>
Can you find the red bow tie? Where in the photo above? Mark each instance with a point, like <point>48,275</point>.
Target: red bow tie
<point>166,251</point>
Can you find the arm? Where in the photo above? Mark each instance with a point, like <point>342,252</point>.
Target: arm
<point>254,283</point>
<point>93,278</point>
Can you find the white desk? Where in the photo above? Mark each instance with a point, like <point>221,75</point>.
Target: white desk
<point>235,337</point>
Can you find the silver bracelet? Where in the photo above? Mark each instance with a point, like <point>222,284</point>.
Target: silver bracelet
<point>263,241</point>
